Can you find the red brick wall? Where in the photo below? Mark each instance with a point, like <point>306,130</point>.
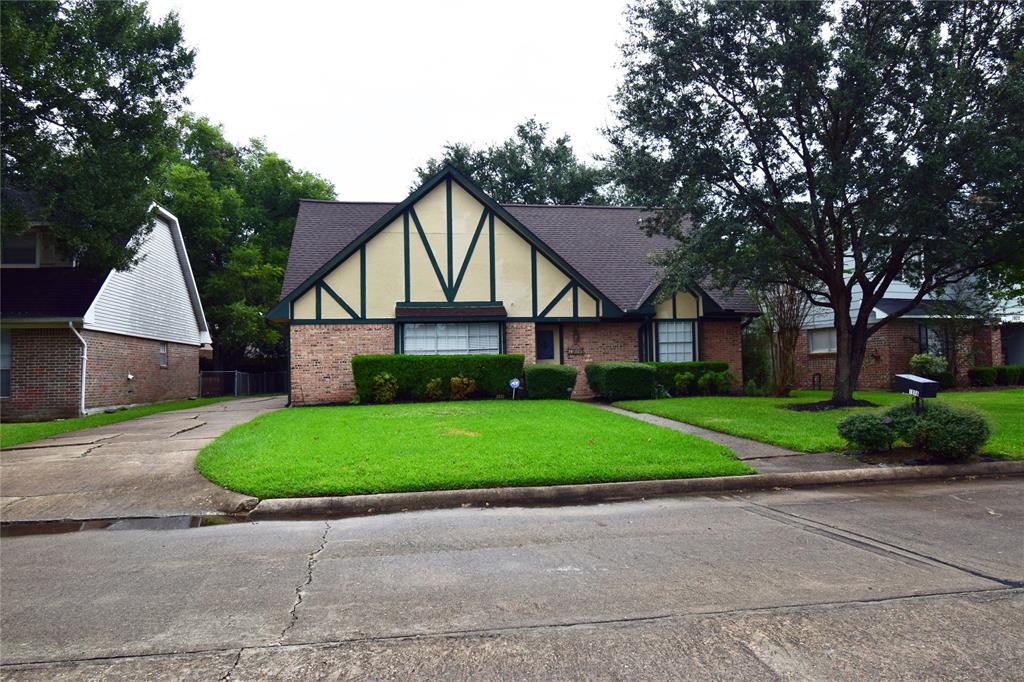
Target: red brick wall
<point>112,357</point>
<point>521,337</point>
<point>46,366</point>
<point>321,358</point>
<point>598,342</point>
<point>46,370</point>
<point>722,340</point>
<point>888,353</point>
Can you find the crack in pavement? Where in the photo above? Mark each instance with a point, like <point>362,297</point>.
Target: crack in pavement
<point>300,589</point>
<point>94,447</point>
<point>46,444</point>
<point>191,428</point>
<point>234,664</point>
<point>866,542</point>
<point>984,593</point>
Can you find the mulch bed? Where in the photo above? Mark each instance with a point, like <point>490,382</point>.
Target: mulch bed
<point>826,405</point>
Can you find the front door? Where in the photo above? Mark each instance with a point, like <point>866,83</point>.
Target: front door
<point>545,344</point>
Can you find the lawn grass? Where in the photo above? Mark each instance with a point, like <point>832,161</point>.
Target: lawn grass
<point>762,419</point>
<point>314,451</point>
<point>26,432</point>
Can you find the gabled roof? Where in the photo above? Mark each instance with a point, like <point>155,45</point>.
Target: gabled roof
<point>604,245</point>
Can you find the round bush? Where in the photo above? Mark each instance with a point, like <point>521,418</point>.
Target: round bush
<point>686,383</point>
<point>385,388</point>
<point>942,430</point>
<point>870,432</point>
<point>928,365</point>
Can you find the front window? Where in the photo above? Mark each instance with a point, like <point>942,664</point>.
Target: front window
<point>677,341</point>
<point>932,340</point>
<point>5,363</point>
<point>19,249</point>
<point>451,338</point>
<point>821,340</point>
<point>163,353</point>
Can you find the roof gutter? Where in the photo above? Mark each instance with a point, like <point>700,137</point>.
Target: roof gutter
<point>85,361</point>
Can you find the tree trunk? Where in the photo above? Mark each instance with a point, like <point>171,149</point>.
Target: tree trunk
<point>851,346</point>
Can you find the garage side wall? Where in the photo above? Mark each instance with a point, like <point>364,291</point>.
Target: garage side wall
<point>112,357</point>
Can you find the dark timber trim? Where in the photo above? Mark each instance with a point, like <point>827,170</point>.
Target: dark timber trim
<point>575,300</point>
<point>448,213</point>
<point>362,281</point>
<point>558,297</point>
<point>430,253</point>
<point>319,294</point>
<point>340,301</point>
<point>533,277</point>
<point>490,241</point>
<point>408,274</point>
<point>469,253</point>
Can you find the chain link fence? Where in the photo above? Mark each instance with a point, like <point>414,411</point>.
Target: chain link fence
<point>215,383</point>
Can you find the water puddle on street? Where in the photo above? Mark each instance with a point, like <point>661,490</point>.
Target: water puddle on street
<point>21,528</point>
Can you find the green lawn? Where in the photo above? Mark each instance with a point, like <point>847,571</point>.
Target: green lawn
<point>432,446</point>
<point>15,434</point>
<point>763,420</point>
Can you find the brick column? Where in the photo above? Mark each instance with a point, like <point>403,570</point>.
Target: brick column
<point>521,337</point>
<point>46,374</point>
<point>598,342</point>
<point>723,340</point>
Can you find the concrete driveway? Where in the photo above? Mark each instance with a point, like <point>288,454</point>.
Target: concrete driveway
<point>142,467</point>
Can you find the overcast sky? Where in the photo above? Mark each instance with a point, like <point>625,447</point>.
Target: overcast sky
<point>362,93</point>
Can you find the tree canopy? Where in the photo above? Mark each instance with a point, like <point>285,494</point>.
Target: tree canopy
<point>237,208</point>
<point>526,168</point>
<point>88,91</point>
<point>832,146</point>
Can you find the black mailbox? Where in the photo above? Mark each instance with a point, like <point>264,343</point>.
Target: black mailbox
<point>919,387</point>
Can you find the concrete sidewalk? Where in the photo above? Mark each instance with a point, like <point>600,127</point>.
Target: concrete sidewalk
<point>767,459</point>
<point>142,467</point>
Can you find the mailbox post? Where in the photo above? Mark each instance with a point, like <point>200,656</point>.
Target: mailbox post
<point>919,387</point>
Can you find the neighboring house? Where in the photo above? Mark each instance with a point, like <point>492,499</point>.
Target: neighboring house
<point>449,270</point>
<point>77,341</point>
<point>890,349</point>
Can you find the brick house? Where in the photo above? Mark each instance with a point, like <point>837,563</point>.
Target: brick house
<point>449,270</point>
<point>76,340</point>
<point>890,349</point>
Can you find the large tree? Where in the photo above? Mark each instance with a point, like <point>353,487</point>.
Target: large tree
<point>836,146</point>
<point>526,168</point>
<point>237,207</point>
<point>88,88</point>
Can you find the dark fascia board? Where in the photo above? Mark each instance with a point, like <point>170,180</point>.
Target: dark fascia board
<point>282,311</point>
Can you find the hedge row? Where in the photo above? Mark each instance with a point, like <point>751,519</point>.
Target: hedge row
<point>550,381</point>
<point>665,372</point>
<point>413,372</point>
<point>621,380</point>
<point>1003,375</point>
<point>943,430</point>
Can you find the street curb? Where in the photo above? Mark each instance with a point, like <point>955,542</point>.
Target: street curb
<point>385,503</point>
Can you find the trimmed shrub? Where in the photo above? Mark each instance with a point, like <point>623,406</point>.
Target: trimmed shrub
<point>685,383</point>
<point>665,372</point>
<point>550,381</point>
<point>621,380</point>
<point>941,429</point>
<point>413,372</point>
<point>928,365</point>
<point>1008,375</point>
<point>946,379</point>
<point>435,390</point>
<point>462,387</point>
<point>715,383</point>
<point>870,432</point>
<point>385,388</point>
<point>982,376</point>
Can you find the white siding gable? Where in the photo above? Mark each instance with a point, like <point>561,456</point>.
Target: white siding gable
<point>152,299</point>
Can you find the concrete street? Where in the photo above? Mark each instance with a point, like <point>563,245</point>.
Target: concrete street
<point>904,581</point>
<point>141,467</point>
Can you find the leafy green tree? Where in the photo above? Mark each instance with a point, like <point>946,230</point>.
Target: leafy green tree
<point>88,89</point>
<point>237,208</point>
<point>526,168</point>
<point>835,147</point>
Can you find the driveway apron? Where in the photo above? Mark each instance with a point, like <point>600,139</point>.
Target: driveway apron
<point>139,468</point>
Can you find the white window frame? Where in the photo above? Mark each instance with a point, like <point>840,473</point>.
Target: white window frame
<point>451,338</point>
<point>668,349</point>
<point>164,353</point>
<point>5,362</point>
<point>35,263</point>
<point>831,345</point>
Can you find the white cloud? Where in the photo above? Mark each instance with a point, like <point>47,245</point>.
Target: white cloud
<point>362,93</point>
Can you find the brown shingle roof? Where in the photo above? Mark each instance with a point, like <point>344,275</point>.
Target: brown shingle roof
<point>604,244</point>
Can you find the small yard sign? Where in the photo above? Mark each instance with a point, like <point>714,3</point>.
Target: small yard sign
<point>513,384</point>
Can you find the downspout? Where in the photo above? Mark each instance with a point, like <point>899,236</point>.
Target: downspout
<point>85,360</point>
